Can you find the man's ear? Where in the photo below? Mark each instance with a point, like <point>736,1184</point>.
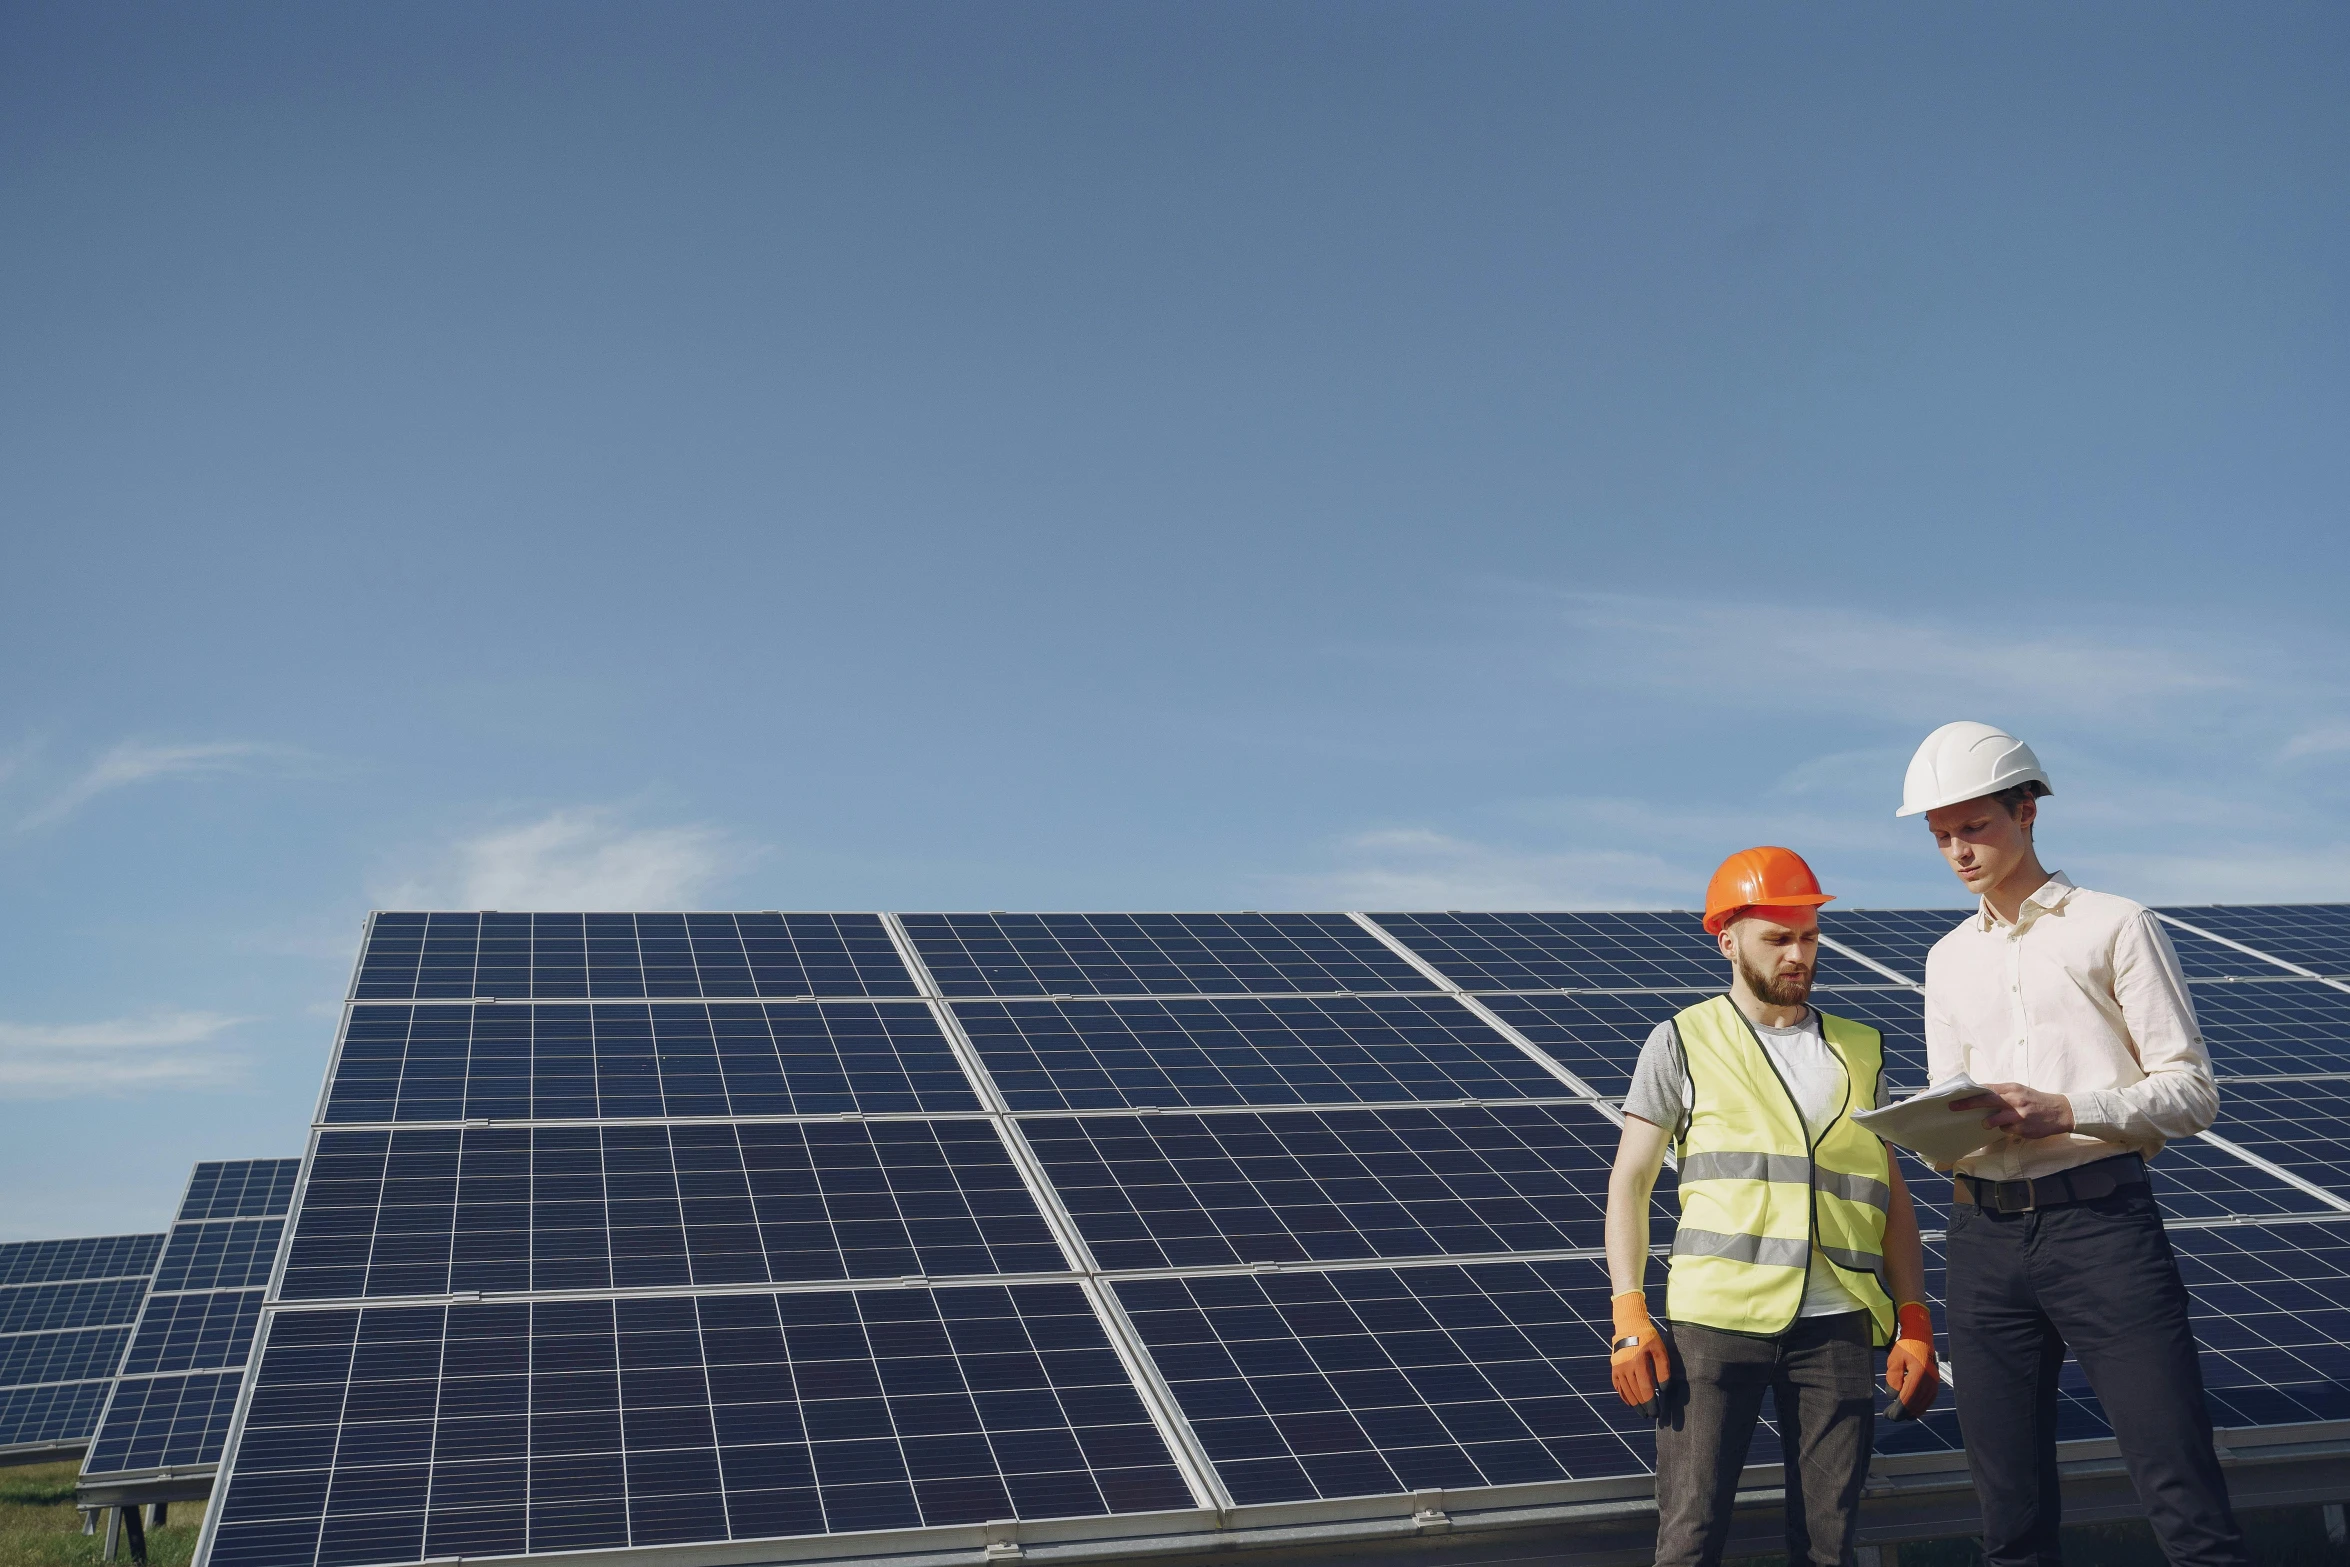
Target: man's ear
<point>1727,942</point>
<point>2027,811</point>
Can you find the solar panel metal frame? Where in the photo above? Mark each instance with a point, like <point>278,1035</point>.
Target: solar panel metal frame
<point>1226,1526</point>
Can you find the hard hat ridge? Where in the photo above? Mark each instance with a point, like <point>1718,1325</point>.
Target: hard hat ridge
<point>1965,761</point>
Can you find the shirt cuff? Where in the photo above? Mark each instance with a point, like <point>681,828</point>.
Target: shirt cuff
<point>2102,1113</point>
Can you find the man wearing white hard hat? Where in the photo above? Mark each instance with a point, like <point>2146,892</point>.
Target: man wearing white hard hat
<point>2069,1007</point>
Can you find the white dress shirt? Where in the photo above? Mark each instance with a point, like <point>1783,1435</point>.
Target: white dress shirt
<point>2080,996</point>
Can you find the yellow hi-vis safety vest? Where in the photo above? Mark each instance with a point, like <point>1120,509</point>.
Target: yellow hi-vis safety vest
<point>1757,1193</point>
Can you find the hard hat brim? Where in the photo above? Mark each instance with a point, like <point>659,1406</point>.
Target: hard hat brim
<point>1716,923</point>
<point>2022,775</point>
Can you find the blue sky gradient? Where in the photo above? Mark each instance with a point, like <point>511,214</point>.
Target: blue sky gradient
<point>1141,456</point>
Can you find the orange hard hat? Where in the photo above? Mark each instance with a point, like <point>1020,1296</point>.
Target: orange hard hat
<point>1767,877</point>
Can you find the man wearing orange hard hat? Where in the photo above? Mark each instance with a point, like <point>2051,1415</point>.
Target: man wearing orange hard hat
<point>1797,1252</point>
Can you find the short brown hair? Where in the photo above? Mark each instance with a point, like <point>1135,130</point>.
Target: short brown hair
<point>2016,794</point>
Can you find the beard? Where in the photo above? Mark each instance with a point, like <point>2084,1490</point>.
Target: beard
<point>1786,990</point>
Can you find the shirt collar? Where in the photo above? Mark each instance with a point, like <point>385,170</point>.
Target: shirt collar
<point>2048,895</point>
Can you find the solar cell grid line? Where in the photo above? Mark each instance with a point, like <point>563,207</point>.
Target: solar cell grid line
<point>71,1355</point>
<point>85,1257</point>
<point>458,956</point>
<point>232,1255</point>
<point>164,1422</point>
<point>1581,951</point>
<point>171,1403</point>
<point>394,1434</point>
<point>2313,936</point>
<point>2195,1181</point>
<point>659,1060</point>
<point>199,1331</point>
<point>240,1188</point>
<point>1261,1051</point>
<point>1897,938</point>
<point>2302,1127</point>
<point>2281,1028</point>
<point>1900,1017</point>
<point>1154,954</point>
<point>86,1303</point>
<point>1377,1381</point>
<point>430,1211</point>
<point>1595,1036</point>
<point>1236,1188</point>
<point>48,1414</point>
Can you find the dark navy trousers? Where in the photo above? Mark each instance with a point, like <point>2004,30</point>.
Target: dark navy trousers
<point>2097,1277</point>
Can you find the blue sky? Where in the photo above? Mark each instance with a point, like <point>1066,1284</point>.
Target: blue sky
<point>1137,456</point>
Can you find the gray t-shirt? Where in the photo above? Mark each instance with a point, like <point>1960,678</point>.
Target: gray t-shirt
<point>1661,1093</point>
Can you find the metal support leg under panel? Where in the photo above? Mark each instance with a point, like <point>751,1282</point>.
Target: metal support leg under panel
<point>138,1535</point>
<point>2337,1525</point>
<point>113,1534</point>
<point>158,1514</point>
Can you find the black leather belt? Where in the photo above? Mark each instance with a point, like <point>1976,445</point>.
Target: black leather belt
<point>2079,1184</point>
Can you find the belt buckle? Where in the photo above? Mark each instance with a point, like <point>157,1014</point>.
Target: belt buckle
<point>2031,1196</point>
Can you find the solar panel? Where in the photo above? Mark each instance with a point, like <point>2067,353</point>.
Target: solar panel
<point>236,1255</point>
<point>2303,1127</point>
<point>1596,1037</point>
<point>35,1358</point>
<point>1379,1380</point>
<point>179,1379</point>
<point>1083,1055</point>
<point>554,957</point>
<point>2194,1182</point>
<point>240,1188</point>
<point>2270,1306</point>
<point>595,1275</point>
<point>398,1433</point>
<point>2314,935</point>
<point>426,1212</point>
<point>616,1061</point>
<point>1154,954</point>
<point>90,1257</point>
<point>2293,1027</point>
<point>51,1415</point>
<point>1898,1015</point>
<point>66,1309</point>
<point>166,1422</point>
<point>1204,1190</point>
<point>89,1303</point>
<point>1897,938</point>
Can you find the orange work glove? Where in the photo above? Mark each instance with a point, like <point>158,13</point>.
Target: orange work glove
<point>1637,1361</point>
<point>1910,1368</point>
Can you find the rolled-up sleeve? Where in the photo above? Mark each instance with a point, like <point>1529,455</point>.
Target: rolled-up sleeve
<point>2177,1097</point>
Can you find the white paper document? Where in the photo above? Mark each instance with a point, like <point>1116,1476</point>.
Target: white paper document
<point>1925,1124</point>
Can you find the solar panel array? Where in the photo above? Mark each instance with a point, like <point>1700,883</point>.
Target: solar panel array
<point>169,1410</point>
<point>626,1230</point>
<point>66,1309</point>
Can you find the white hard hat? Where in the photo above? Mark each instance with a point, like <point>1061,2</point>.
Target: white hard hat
<point>1965,761</point>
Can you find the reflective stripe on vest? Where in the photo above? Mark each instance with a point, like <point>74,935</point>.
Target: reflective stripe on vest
<point>1757,1195</point>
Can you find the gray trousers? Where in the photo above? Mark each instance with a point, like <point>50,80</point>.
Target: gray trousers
<point>1821,1375</point>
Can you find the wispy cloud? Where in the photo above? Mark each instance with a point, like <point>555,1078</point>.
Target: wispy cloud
<point>137,761</point>
<point>580,858</point>
<point>157,1050</point>
<point>1858,663</point>
<point>1417,868</point>
<point>2326,739</point>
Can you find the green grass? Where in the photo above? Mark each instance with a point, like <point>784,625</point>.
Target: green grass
<point>40,1526</point>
